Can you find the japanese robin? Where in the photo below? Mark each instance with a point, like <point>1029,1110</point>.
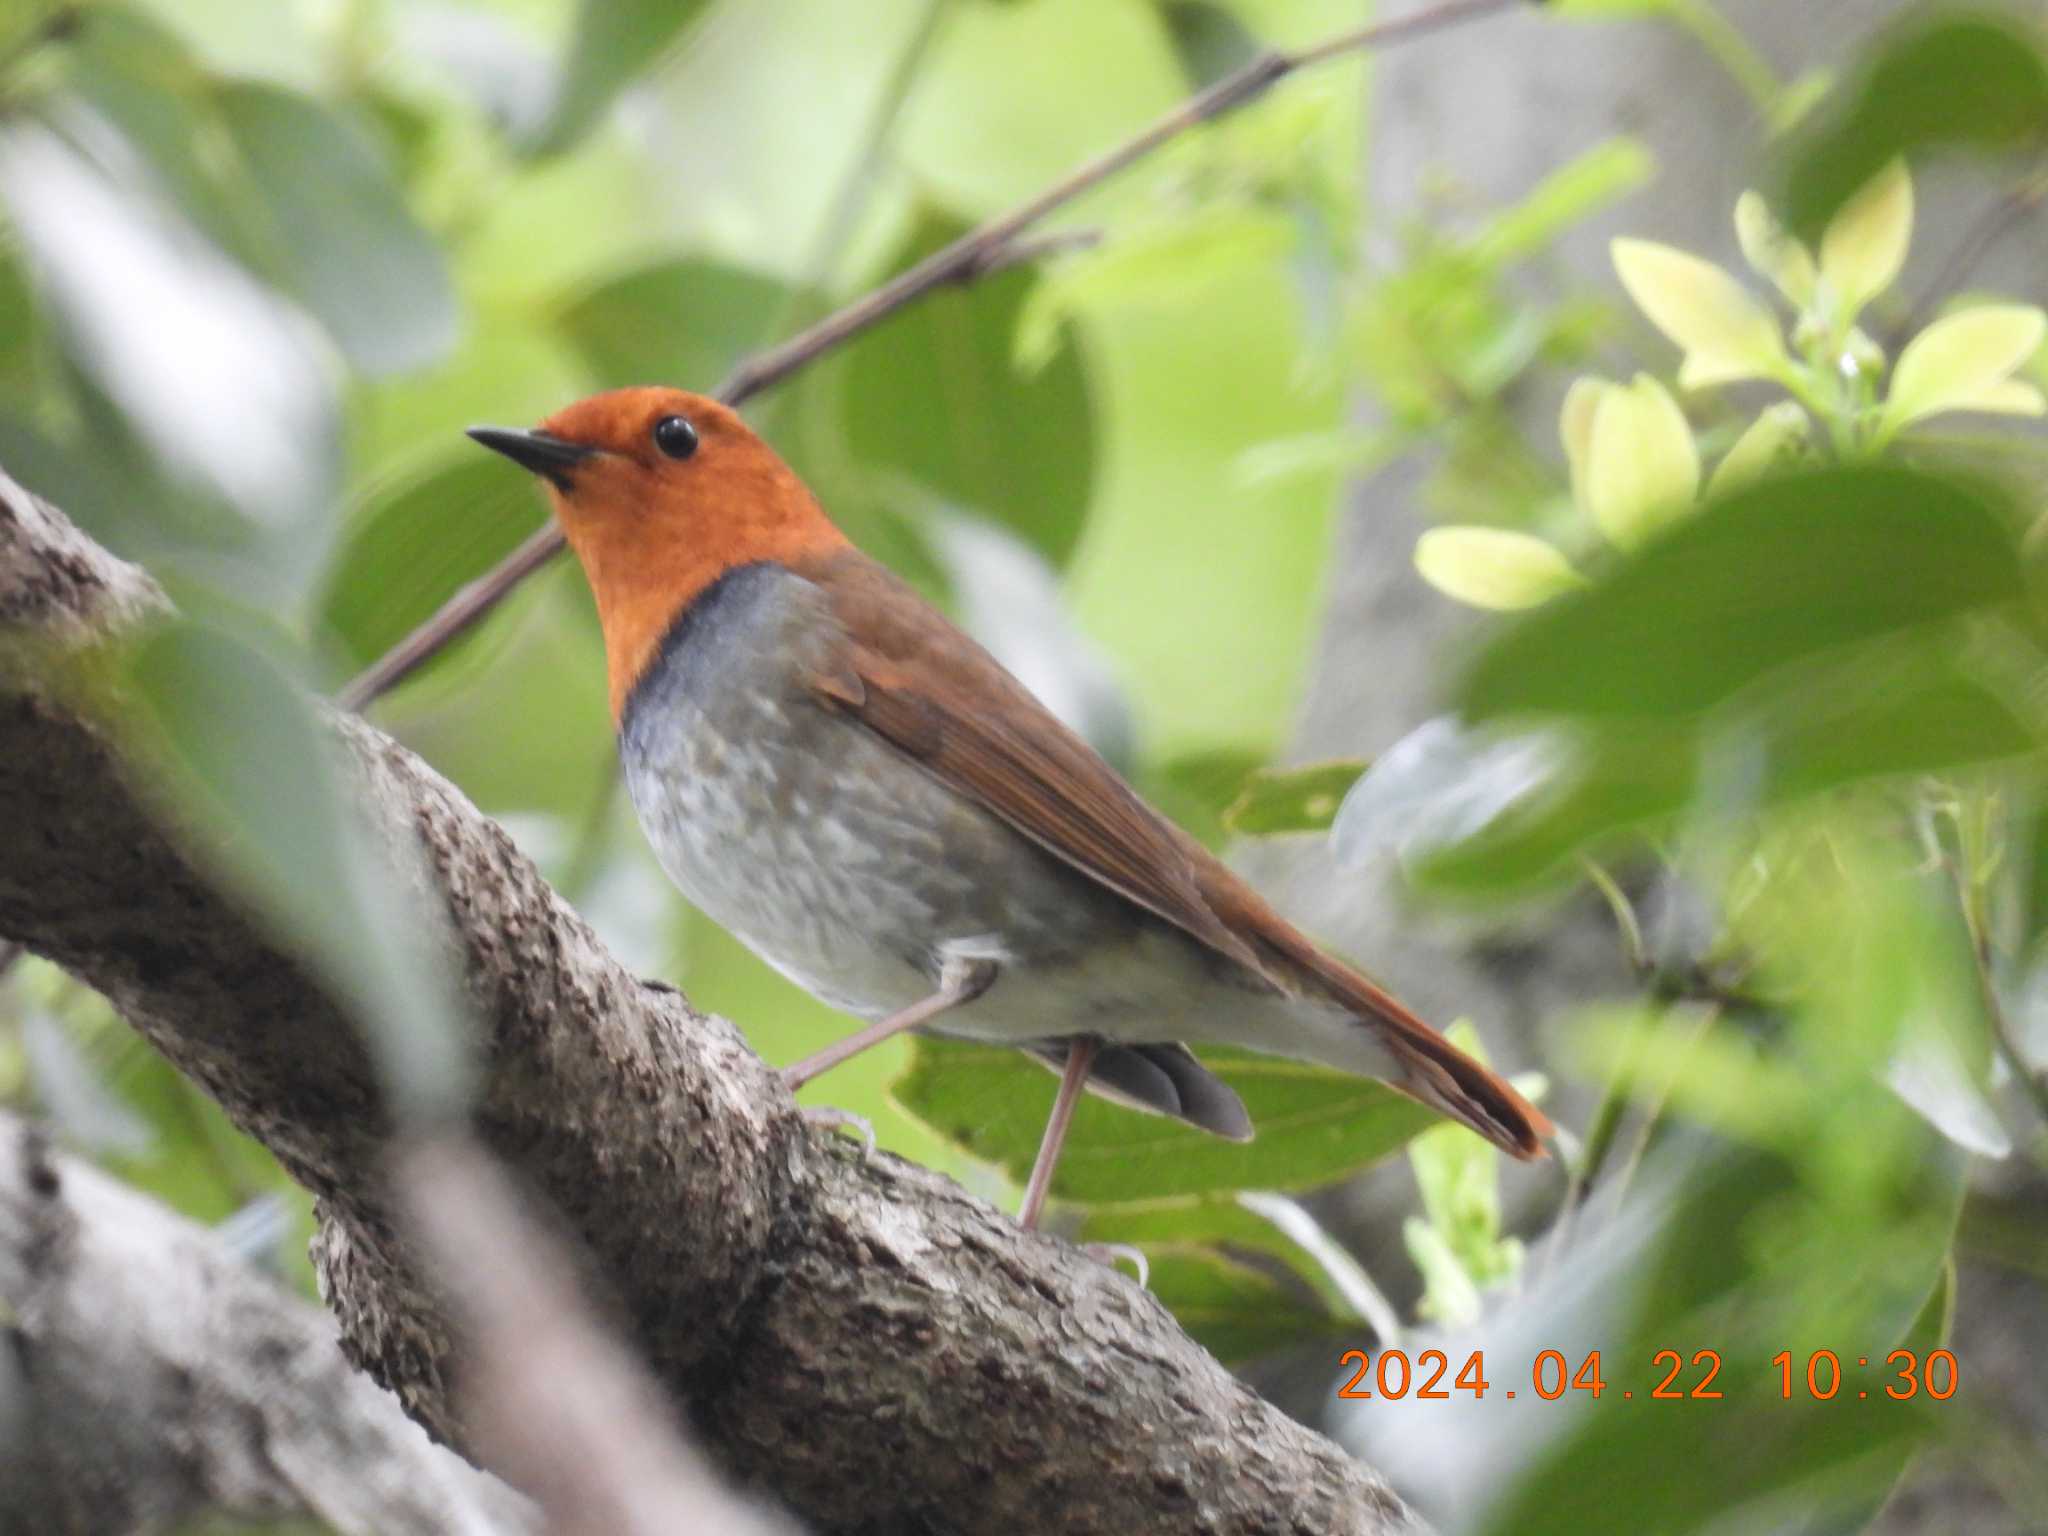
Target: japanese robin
<point>828,767</point>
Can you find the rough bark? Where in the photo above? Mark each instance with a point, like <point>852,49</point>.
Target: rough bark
<point>549,1396</point>
<point>851,1332</point>
<point>148,1376</point>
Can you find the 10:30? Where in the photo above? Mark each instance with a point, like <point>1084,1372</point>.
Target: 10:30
<point>1914,1376</point>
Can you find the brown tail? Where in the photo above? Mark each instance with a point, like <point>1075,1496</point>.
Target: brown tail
<point>1439,1074</point>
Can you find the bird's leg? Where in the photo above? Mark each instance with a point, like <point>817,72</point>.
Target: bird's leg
<point>1080,1057</point>
<point>960,981</point>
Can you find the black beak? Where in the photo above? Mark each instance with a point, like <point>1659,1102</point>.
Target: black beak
<point>536,451</point>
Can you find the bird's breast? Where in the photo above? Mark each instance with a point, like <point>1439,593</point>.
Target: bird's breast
<point>839,860</point>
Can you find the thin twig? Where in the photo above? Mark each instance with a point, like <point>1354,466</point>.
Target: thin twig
<point>1653,1115</point>
<point>1732,51</point>
<point>1602,1131</point>
<point>972,255</point>
<point>1977,930</point>
<point>1993,225</point>
<point>1024,251</point>
<point>1634,950</point>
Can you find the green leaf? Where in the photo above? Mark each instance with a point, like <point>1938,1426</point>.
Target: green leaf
<point>344,241</point>
<point>1773,440</point>
<point>1497,568</point>
<point>1440,784</point>
<point>1575,429</point>
<point>1292,799</point>
<point>1642,468</point>
<point>1726,334</point>
<point>1868,1493</point>
<point>1846,1284</point>
<point>1840,719</point>
<point>616,41</point>
<point>1772,574</point>
<point>1195,789</point>
<point>140,77</point>
<point>936,395</point>
<point>1964,81</point>
<point>1015,96</point>
<point>1165,263</point>
<point>1942,1068</point>
<point>25,360</point>
<point>1935,1324</point>
<point>1450,1296</point>
<point>1235,1222</point>
<point>1203,587</point>
<point>1207,39</point>
<point>416,542</point>
<point>1864,249</point>
<point>1965,362</point>
<point>1564,199</point>
<point>1820,1224</point>
<point>1771,252</point>
<point>1314,1126</point>
<point>255,780</point>
<point>682,321</point>
<point>278,43</point>
<point>210,368</point>
<point>1609,786</point>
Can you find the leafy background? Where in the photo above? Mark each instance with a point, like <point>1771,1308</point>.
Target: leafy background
<point>262,261</point>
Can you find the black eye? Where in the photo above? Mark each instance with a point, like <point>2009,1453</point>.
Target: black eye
<point>674,436</point>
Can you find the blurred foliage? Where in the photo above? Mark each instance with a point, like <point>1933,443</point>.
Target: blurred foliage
<point>1766,668</point>
<point>1315,1125</point>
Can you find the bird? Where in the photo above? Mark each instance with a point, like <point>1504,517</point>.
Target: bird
<point>830,769</point>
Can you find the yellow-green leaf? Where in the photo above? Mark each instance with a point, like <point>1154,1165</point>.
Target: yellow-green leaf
<point>2015,397</point>
<point>1304,799</point>
<point>1644,469</point>
<point>1965,363</point>
<point>1865,245</point>
<point>1773,437</point>
<point>1493,567</point>
<point>1576,428</point>
<point>1727,335</point>
<point>1771,251</point>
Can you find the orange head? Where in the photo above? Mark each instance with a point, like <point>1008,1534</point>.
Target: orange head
<point>660,493</point>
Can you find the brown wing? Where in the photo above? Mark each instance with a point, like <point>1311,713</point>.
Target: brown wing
<point>913,678</point>
<point>916,680</point>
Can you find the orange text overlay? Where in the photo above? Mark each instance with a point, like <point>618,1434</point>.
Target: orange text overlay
<point>1671,1376</point>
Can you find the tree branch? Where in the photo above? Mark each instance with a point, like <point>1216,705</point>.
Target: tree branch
<point>551,1397</point>
<point>852,1332</point>
<point>148,1377</point>
<point>976,253</point>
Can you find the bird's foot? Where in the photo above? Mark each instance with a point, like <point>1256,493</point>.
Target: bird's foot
<point>1109,1253</point>
<point>829,1119</point>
